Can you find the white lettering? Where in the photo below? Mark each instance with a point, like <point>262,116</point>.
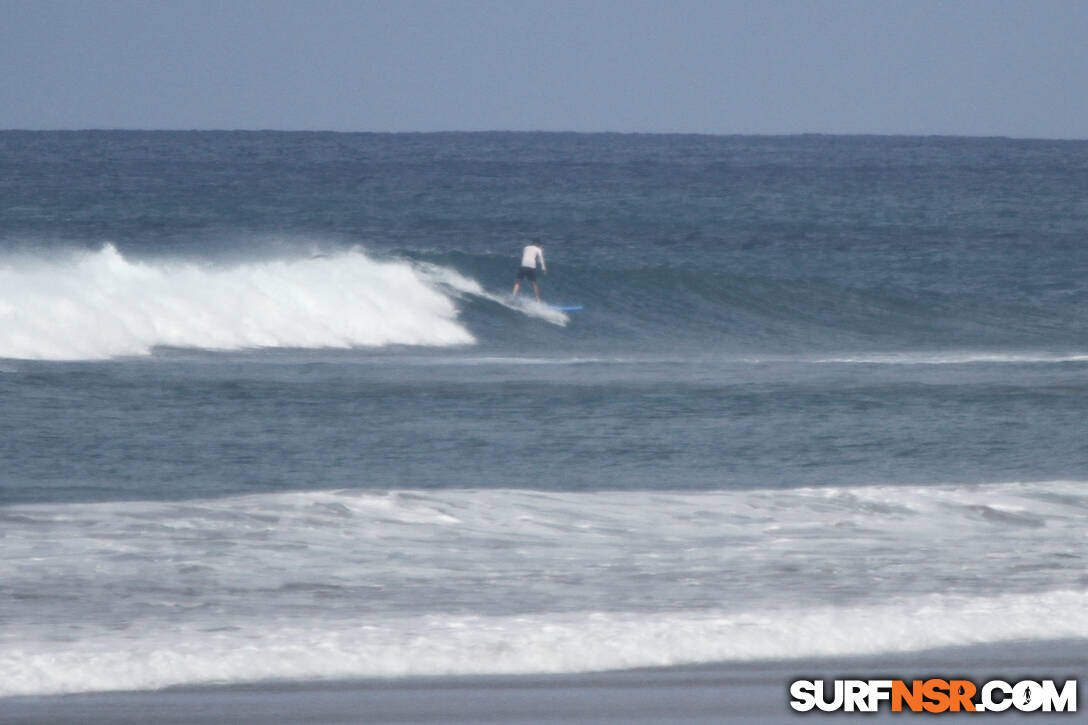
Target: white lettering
<point>994,696</point>
<point>804,695</point>
<point>856,695</point>
<point>1064,701</point>
<point>821,698</point>
<point>879,691</point>
<point>988,701</point>
<point>1027,696</point>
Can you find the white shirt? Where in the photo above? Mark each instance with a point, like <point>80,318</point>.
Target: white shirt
<point>530,255</point>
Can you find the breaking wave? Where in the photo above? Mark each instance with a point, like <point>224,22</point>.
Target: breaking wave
<point>94,305</point>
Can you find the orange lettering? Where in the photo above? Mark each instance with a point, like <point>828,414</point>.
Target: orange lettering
<point>961,692</point>
<point>936,691</point>
<point>912,695</point>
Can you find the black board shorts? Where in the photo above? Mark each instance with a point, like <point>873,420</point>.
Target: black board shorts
<point>527,273</point>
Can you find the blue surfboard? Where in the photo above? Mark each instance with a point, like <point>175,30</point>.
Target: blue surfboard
<point>566,308</point>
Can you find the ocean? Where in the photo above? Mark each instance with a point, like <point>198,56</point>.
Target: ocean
<point>271,414</point>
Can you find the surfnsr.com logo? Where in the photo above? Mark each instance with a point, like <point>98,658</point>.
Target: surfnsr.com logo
<point>933,695</point>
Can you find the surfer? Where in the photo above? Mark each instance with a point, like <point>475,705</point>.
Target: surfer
<point>533,252</point>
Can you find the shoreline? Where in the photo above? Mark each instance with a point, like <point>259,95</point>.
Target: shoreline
<point>744,692</point>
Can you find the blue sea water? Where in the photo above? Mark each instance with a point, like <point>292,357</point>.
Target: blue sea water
<point>271,413</point>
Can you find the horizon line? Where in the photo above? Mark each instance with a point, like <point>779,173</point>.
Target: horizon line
<point>749,134</point>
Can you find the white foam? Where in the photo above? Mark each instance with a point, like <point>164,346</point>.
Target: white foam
<point>341,584</point>
<point>95,305</point>
<point>951,357</point>
<point>384,646</point>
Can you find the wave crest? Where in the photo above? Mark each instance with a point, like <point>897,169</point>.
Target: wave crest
<point>95,305</point>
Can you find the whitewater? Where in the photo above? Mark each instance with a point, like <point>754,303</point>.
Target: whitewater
<point>92,305</point>
<point>270,413</point>
<point>347,584</point>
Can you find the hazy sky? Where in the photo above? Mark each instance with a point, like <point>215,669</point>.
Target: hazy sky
<point>964,67</point>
